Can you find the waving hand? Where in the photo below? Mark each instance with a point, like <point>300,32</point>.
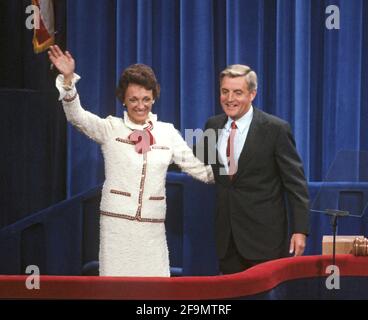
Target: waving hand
<point>64,62</point>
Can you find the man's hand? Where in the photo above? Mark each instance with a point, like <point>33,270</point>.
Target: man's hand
<point>63,62</point>
<point>297,244</point>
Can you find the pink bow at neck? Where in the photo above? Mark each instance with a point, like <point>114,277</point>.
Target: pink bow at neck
<point>142,139</point>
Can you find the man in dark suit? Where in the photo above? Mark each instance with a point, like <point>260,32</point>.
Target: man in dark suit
<point>257,172</point>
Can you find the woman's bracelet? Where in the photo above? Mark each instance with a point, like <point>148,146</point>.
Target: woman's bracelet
<point>72,98</point>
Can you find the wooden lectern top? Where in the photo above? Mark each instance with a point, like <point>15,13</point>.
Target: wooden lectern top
<point>344,244</point>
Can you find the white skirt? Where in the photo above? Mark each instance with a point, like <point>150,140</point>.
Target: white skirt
<point>133,248</point>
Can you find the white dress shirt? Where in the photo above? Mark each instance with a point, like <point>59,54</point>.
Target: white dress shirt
<point>243,125</point>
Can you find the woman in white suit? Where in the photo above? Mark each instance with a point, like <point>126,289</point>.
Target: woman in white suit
<point>137,151</point>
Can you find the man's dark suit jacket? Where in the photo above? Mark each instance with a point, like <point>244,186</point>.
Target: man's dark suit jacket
<point>252,204</point>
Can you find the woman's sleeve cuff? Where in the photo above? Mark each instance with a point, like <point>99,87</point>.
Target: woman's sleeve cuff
<point>66,91</point>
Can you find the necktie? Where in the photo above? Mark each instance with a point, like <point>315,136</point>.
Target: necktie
<point>230,150</point>
<point>142,139</point>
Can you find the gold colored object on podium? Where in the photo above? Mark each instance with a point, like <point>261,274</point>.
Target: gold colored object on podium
<point>360,246</point>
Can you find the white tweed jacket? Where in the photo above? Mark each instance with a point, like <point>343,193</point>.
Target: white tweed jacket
<point>134,186</point>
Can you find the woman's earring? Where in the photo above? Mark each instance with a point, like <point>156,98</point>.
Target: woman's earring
<point>153,101</point>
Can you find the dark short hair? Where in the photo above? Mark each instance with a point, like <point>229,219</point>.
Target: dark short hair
<point>140,74</point>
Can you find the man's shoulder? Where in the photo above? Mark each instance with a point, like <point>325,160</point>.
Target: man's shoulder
<point>259,115</point>
<point>270,118</point>
<point>216,121</point>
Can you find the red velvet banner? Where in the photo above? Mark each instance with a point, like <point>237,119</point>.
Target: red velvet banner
<point>256,280</point>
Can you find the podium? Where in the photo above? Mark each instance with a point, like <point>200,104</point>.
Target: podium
<point>341,201</point>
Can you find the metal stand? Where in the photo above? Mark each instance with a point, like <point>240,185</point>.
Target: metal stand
<point>334,215</point>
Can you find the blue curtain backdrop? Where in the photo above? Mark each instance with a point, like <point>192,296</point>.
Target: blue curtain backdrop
<point>311,76</point>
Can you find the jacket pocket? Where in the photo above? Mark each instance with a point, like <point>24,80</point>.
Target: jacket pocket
<point>156,198</point>
<point>160,147</point>
<point>122,193</point>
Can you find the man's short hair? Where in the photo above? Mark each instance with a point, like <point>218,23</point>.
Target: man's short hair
<point>240,70</point>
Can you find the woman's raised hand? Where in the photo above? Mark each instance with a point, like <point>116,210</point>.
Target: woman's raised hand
<point>63,62</point>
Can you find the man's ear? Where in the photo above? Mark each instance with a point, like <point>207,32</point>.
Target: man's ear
<point>253,94</point>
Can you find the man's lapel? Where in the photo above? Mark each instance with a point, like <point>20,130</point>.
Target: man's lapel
<point>254,138</point>
<point>219,126</point>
